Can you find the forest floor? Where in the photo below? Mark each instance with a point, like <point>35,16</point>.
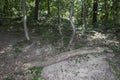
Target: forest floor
<point>21,60</point>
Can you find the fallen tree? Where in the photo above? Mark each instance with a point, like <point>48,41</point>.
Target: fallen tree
<point>63,56</point>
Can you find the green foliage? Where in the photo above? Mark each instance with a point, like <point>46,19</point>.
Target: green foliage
<point>12,9</point>
<point>49,29</point>
<point>36,71</point>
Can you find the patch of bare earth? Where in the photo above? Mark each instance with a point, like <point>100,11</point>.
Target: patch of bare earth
<point>86,67</point>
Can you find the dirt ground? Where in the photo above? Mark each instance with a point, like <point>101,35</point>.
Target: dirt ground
<point>86,67</point>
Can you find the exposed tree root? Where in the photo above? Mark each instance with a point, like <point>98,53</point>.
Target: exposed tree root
<point>63,56</point>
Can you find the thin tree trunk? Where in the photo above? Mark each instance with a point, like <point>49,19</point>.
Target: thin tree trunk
<point>48,4</point>
<point>95,8</point>
<point>106,11</point>
<point>59,12</point>
<point>84,15</point>
<point>25,19</point>
<point>59,22</point>
<point>72,24</point>
<point>5,8</point>
<point>36,9</point>
<point>116,10</point>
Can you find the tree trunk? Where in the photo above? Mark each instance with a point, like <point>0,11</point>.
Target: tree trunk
<point>36,9</point>
<point>116,10</point>
<point>48,4</point>
<point>25,19</point>
<point>5,8</point>
<point>84,15</point>
<point>59,21</point>
<point>59,12</point>
<point>106,11</point>
<point>95,8</point>
<point>72,24</point>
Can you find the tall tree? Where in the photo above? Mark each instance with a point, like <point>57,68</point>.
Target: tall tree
<point>116,9</point>
<point>106,11</point>
<point>25,19</point>
<point>36,9</point>
<point>84,9</point>
<point>59,20</point>
<point>48,5</point>
<point>6,7</point>
<point>72,23</point>
<point>95,11</point>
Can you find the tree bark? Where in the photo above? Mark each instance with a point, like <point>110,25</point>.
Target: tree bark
<point>84,15</point>
<point>95,8</point>
<point>36,9</point>
<point>59,12</point>
<point>5,8</point>
<point>72,24</point>
<point>59,22</point>
<point>25,19</point>
<point>106,11</point>
<point>48,4</point>
<point>116,9</point>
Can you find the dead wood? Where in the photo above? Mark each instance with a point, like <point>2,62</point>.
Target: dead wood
<point>63,56</point>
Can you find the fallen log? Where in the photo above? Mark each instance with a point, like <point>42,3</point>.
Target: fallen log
<point>63,56</point>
